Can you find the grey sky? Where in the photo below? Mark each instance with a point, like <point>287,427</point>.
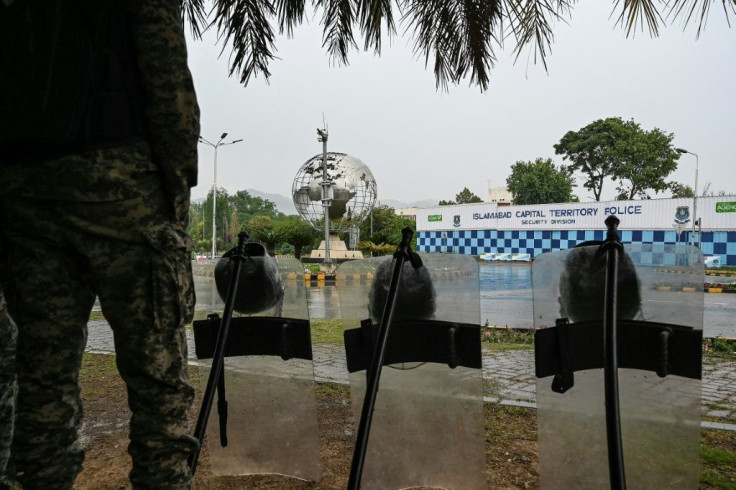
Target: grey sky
<point>421,143</point>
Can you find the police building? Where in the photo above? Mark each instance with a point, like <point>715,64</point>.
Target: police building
<point>523,232</point>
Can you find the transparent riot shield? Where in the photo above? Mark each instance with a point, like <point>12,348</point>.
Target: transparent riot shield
<point>427,426</point>
<point>271,423</point>
<point>660,319</point>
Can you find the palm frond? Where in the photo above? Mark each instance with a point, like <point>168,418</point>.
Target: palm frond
<point>290,14</point>
<point>639,13</point>
<point>337,20</point>
<point>531,24</point>
<point>246,24</point>
<point>193,11</point>
<point>690,8</point>
<point>371,15</point>
<point>481,19</point>
<point>435,29</point>
<point>458,35</point>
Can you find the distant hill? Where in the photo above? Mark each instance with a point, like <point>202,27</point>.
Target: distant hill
<point>286,205</point>
<point>426,203</point>
<point>283,204</point>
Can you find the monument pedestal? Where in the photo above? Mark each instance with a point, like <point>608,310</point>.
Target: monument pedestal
<point>338,251</point>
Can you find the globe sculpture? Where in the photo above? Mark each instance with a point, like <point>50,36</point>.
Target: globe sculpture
<point>352,194</point>
<point>353,191</point>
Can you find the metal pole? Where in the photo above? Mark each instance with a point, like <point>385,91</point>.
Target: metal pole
<point>214,189</point>
<point>695,199</point>
<point>325,192</point>
<point>695,194</point>
<point>612,246</point>
<point>214,207</point>
<point>326,201</point>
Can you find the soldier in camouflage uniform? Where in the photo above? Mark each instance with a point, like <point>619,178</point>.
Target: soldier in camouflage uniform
<point>107,221</point>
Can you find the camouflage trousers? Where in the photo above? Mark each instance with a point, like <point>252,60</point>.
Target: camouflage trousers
<point>8,390</point>
<point>76,229</point>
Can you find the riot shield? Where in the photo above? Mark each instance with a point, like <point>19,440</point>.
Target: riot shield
<point>659,325</point>
<point>427,426</point>
<point>270,425</point>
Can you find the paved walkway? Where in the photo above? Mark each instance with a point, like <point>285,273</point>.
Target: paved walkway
<point>508,375</point>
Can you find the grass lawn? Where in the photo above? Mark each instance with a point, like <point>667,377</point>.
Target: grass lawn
<point>510,434</point>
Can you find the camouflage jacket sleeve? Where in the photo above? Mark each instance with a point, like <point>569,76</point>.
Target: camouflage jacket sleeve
<point>171,108</point>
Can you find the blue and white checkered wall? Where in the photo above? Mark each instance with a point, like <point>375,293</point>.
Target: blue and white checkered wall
<point>535,242</point>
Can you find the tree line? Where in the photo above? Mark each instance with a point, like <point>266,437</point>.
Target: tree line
<point>637,161</point>
<point>283,234</point>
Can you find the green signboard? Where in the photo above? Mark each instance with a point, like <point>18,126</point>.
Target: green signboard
<point>435,217</point>
<point>726,207</point>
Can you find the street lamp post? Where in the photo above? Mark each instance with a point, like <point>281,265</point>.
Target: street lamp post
<point>214,186</point>
<point>695,193</point>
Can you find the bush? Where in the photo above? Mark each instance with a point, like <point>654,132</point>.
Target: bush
<point>718,346</point>
<point>494,335</point>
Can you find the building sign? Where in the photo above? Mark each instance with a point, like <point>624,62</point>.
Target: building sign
<point>648,214</point>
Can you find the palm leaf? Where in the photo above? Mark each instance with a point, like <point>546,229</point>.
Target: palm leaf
<point>371,15</point>
<point>531,24</point>
<point>338,19</point>
<point>290,14</point>
<point>639,13</point>
<point>246,24</point>
<point>689,8</point>
<point>193,11</point>
<point>480,20</point>
<point>458,35</point>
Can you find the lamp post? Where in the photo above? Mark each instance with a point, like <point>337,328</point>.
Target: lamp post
<point>214,186</point>
<point>695,193</point>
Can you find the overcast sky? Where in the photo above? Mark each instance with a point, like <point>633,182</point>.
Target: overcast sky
<point>421,143</point>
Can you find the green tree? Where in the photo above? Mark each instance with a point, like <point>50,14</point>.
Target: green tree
<point>232,228</point>
<point>262,228</point>
<point>592,151</point>
<point>248,206</point>
<point>540,182</point>
<point>460,37</point>
<point>232,212</point>
<point>636,159</point>
<point>196,221</point>
<point>462,197</point>
<point>296,232</point>
<point>203,212</point>
<point>681,190</point>
<point>466,197</point>
<point>647,157</point>
<point>196,228</point>
<point>387,226</point>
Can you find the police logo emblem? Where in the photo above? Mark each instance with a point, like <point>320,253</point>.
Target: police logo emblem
<point>682,215</point>
<point>456,221</point>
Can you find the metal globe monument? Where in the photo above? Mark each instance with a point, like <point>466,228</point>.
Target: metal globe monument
<point>340,187</point>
